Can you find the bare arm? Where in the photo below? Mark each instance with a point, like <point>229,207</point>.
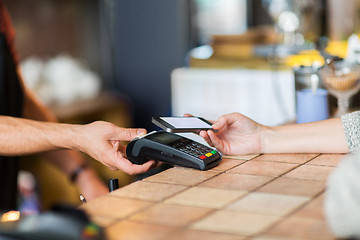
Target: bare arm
<point>238,134</point>
<point>23,136</point>
<point>66,160</point>
<point>100,140</point>
<point>324,136</point>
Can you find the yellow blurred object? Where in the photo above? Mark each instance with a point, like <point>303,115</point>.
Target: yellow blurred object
<point>337,48</point>
<point>305,58</point>
<point>10,216</point>
<point>309,57</point>
<point>310,52</point>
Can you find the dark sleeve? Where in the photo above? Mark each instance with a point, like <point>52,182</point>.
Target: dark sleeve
<point>11,104</point>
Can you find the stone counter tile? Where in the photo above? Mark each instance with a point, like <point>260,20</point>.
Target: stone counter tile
<point>206,197</point>
<point>181,176</point>
<point>236,181</point>
<point>113,207</point>
<point>313,210</point>
<point>126,230</point>
<point>331,160</point>
<point>244,224</point>
<point>170,215</point>
<point>300,228</point>
<point>287,157</point>
<point>264,168</point>
<point>148,191</point>
<point>310,172</point>
<point>190,234</point>
<point>270,238</point>
<point>226,164</point>
<point>268,204</point>
<point>292,186</point>
<point>241,157</point>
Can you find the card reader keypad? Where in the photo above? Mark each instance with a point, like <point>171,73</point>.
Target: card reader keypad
<point>194,148</point>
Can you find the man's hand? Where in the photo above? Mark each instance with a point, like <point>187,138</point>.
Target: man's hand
<point>103,141</point>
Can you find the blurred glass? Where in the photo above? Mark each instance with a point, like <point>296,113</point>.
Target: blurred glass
<point>342,79</point>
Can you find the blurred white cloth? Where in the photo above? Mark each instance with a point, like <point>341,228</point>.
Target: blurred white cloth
<point>266,96</point>
<point>342,198</point>
<point>61,80</point>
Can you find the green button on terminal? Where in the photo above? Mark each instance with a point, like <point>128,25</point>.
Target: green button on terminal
<point>213,151</point>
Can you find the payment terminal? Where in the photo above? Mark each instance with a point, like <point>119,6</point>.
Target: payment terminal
<point>171,148</point>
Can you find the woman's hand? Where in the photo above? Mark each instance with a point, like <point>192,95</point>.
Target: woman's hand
<point>236,134</point>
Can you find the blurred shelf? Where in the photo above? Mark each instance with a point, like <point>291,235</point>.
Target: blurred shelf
<point>106,106</point>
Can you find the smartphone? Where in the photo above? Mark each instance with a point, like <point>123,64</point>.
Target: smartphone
<point>182,124</point>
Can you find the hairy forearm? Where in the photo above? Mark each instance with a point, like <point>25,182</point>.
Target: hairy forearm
<point>65,160</point>
<point>22,136</point>
<point>325,136</point>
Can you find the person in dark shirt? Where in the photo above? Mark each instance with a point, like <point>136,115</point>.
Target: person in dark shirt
<point>28,127</point>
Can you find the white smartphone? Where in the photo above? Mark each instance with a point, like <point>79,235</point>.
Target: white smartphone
<point>182,124</point>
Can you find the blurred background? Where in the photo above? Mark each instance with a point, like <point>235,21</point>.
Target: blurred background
<point>127,61</point>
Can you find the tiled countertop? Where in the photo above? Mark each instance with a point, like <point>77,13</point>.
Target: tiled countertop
<point>261,197</point>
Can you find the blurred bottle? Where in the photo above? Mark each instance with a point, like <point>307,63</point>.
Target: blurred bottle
<point>311,97</point>
<point>28,198</point>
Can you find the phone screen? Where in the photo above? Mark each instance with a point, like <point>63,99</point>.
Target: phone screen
<point>186,122</point>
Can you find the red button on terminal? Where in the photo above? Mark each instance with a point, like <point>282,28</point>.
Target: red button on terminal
<point>202,157</point>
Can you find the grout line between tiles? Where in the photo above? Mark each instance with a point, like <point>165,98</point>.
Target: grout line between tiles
<point>276,177</point>
<point>134,198</point>
<point>289,214</point>
<point>254,190</point>
<point>224,171</point>
<point>316,155</point>
<point>186,226</point>
<point>248,192</point>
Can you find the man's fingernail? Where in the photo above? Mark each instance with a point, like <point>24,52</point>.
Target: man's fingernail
<point>141,132</point>
<point>153,164</point>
